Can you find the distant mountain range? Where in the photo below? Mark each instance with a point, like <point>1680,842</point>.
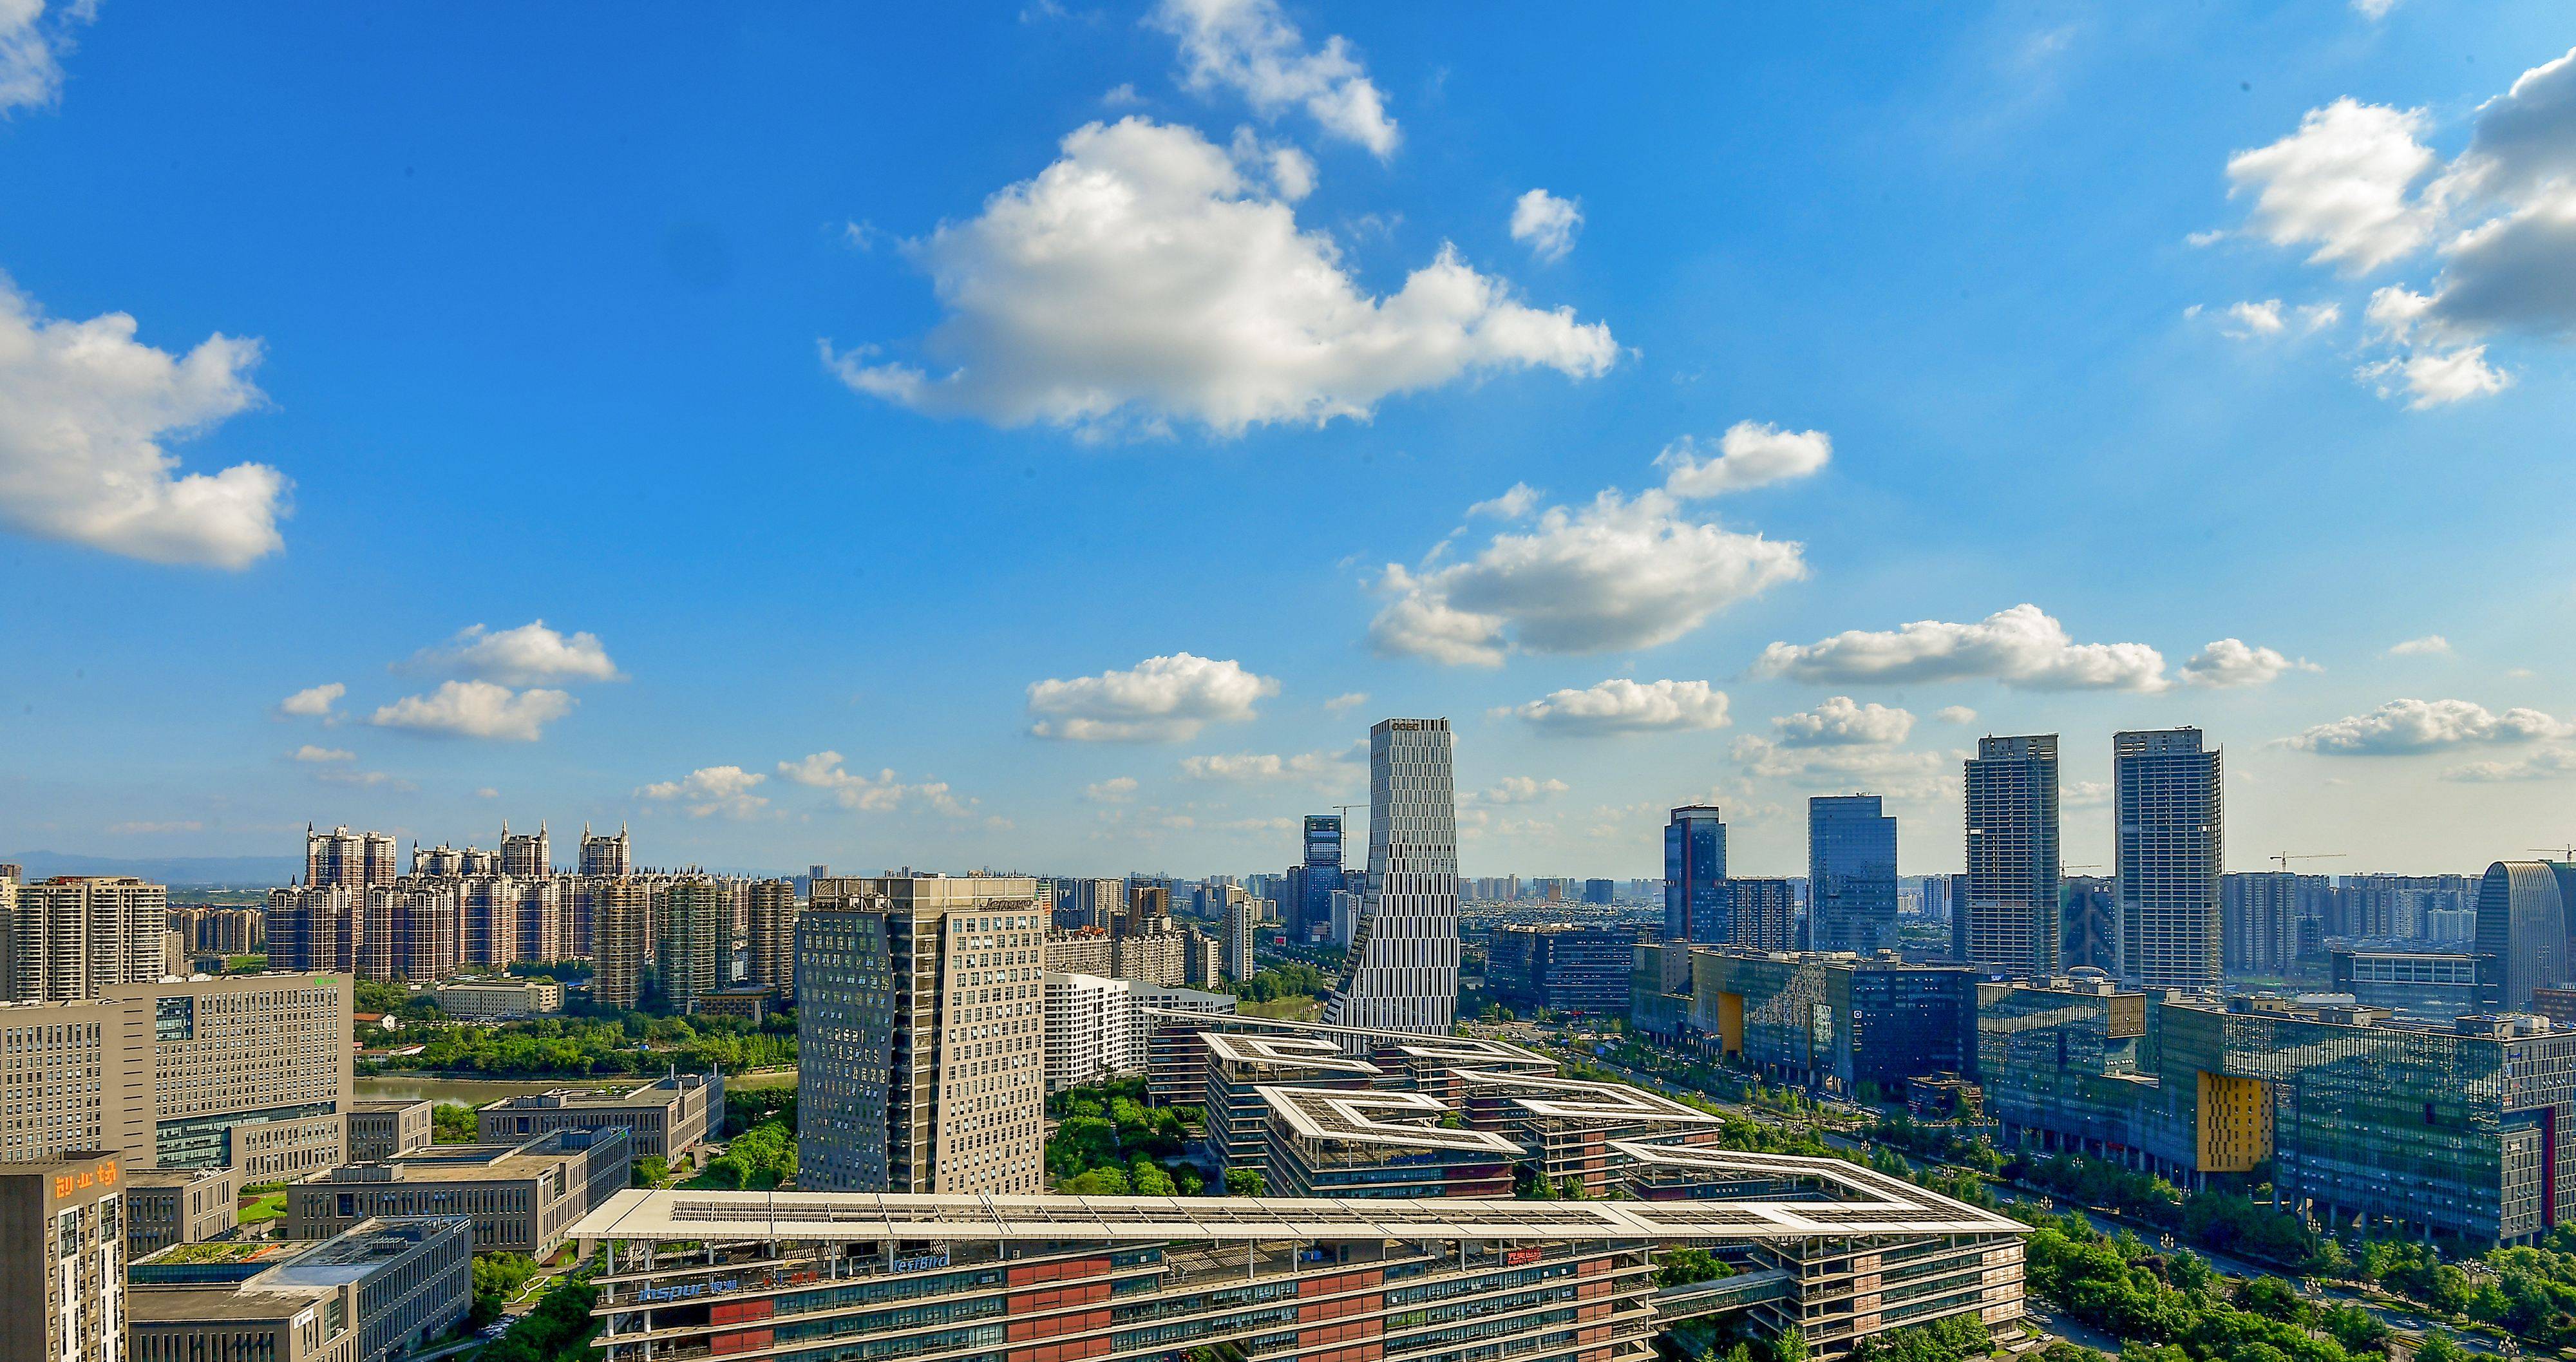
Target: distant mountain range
<point>244,871</point>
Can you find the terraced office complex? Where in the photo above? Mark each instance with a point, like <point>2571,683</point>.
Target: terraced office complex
<point>1408,1250</point>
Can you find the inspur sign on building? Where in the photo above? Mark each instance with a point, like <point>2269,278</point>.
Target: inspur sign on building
<point>71,1182</point>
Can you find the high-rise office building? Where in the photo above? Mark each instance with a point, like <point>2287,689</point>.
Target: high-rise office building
<point>1695,902</point>
<point>1955,900</point>
<point>920,1027</point>
<point>1851,875</point>
<point>602,854</point>
<point>2396,905</point>
<point>1090,903</point>
<point>693,914</point>
<point>2170,851</point>
<point>72,936</point>
<point>2522,931</point>
<point>2088,923</point>
<point>356,859</point>
<point>1149,910</point>
<point>622,913</point>
<point>1307,911</point>
<point>1403,969</point>
<point>62,1259</point>
<point>249,1071</point>
<point>1242,910</point>
<point>2259,913</point>
<point>1762,914</point>
<point>772,940</point>
<point>2011,908</point>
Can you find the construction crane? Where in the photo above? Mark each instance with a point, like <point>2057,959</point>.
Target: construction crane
<point>2564,853</point>
<point>2285,857</point>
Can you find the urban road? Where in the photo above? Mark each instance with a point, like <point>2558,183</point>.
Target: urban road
<point>2409,1325</point>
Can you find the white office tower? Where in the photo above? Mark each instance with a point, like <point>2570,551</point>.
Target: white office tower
<point>1403,969</point>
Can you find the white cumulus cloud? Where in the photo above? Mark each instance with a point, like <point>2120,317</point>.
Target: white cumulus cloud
<point>1619,573</point>
<point>2433,378</point>
<point>2403,726</point>
<point>1161,699</point>
<point>1519,500</point>
<point>1249,47</point>
<point>2500,219</point>
<point>313,701</point>
<point>1144,279</point>
<point>1520,790</point>
<point>1546,223</point>
<point>1346,701</point>
<point>2023,647</point>
<point>1115,790</point>
<point>1861,767</point>
<point>2344,183</point>
<point>1620,705</point>
<point>1323,768</point>
<point>313,753</point>
<point>2430,645</point>
<point>2234,662</point>
<point>477,709</point>
<point>86,411</point>
<point>1955,714</point>
<point>1750,454</point>
<point>32,42</point>
<point>2546,764</point>
<point>528,655</point>
<point>1839,722</point>
<point>711,790</point>
<point>882,793</point>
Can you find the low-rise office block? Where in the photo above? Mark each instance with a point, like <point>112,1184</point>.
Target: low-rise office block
<point>668,1117</point>
<point>523,1197</point>
<point>380,1288</point>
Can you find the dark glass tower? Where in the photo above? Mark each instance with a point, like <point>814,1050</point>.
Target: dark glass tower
<point>1851,875</point>
<point>1315,878</point>
<point>1695,900</point>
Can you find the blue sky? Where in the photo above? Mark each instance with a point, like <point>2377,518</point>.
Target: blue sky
<point>1012,435</point>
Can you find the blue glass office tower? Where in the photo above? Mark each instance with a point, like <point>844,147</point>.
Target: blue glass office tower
<point>1316,877</point>
<point>1851,875</point>
<point>1695,901</point>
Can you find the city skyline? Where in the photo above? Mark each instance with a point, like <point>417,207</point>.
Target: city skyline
<point>1669,472</point>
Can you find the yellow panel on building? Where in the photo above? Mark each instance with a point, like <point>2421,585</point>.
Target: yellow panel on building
<point>1730,1023</point>
<point>2235,1123</point>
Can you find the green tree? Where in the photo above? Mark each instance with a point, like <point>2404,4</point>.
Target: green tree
<point>2439,1346</point>
<point>1243,1182</point>
<point>1096,1182</point>
<point>497,1277</point>
<point>1686,1266</point>
<point>453,1123</point>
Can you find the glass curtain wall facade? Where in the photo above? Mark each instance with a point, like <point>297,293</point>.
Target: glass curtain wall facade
<point>1695,898</point>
